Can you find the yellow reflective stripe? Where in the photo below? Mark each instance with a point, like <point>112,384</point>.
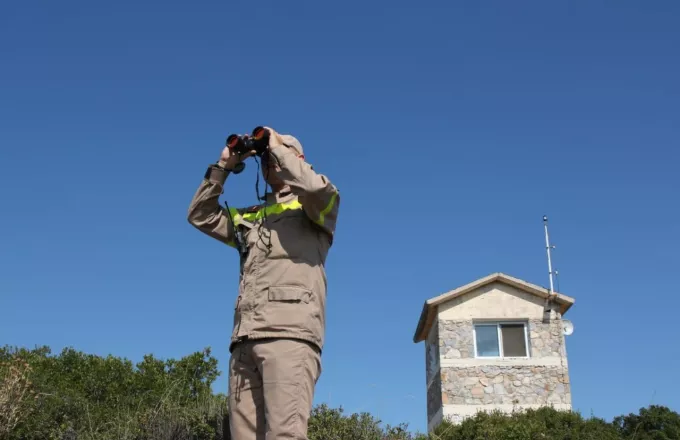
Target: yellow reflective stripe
<point>236,216</point>
<point>277,208</point>
<point>237,219</point>
<point>327,209</point>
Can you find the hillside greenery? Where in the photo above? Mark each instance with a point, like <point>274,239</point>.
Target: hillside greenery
<point>72,395</point>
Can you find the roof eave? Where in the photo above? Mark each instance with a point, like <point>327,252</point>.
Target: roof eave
<point>424,315</point>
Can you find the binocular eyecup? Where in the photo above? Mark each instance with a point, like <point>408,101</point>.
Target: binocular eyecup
<point>243,144</point>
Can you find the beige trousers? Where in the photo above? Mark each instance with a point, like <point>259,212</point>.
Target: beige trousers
<point>271,389</point>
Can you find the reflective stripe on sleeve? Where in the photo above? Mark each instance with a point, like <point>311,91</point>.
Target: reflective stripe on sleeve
<point>327,209</point>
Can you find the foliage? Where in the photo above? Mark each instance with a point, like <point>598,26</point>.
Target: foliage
<point>92,397</point>
<point>77,396</point>
<point>545,423</point>
<point>15,390</point>
<point>331,424</point>
<point>653,423</point>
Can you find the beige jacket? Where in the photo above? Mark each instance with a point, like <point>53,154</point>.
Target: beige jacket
<point>282,287</point>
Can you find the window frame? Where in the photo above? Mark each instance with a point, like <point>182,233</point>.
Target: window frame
<point>498,325</point>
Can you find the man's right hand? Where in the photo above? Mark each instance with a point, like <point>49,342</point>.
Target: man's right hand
<point>229,159</point>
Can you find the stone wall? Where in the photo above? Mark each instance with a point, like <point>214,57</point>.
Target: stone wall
<point>505,385</point>
<point>543,379</point>
<point>433,373</point>
<point>434,397</point>
<point>456,339</point>
<point>546,340</point>
<point>432,353</point>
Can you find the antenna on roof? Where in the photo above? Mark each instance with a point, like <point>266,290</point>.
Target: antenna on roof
<point>548,247</point>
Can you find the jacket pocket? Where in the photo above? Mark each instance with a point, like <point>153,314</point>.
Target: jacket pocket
<point>290,294</point>
<point>289,310</point>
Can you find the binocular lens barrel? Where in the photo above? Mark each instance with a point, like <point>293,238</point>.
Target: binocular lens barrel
<point>260,133</point>
<point>232,141</point>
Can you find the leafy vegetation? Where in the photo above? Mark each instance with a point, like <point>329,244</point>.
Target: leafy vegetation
<point>77,396</point>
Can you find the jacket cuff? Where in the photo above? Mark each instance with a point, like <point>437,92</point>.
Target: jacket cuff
<point>216,175</point>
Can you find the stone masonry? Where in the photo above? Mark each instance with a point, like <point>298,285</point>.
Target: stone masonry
<point>518,385</point>
<point>434,396</point>
<point>455,339</point>
<point>434,383</point>
<point>543,379</point>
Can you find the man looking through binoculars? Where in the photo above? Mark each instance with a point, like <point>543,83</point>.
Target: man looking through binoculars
<point>279,316</point>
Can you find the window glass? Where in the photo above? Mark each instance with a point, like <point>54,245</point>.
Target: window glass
<point>513,340</point>
<point>487,340</point>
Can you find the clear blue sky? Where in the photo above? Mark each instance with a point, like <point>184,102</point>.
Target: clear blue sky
<point>451,128</point>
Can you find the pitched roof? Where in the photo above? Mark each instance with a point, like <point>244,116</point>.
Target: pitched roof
<point>430,307</point>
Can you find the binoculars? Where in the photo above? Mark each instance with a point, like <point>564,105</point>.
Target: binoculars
<point>258,141</point>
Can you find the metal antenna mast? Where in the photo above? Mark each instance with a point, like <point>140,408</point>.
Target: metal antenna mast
<point>548,247</point>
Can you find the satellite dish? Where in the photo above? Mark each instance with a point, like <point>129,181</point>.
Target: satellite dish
<point>567,327</point>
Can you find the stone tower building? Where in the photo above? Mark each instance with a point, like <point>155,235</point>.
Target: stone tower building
<point>496,343</point>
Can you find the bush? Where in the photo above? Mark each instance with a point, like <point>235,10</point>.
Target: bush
<point>15,392</point>
<point>331,424</point>
<point>76,396</point>
<point>90,397</point>
<point>544,423</point>
<point>653,423</point>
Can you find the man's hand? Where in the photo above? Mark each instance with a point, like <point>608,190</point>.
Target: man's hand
<point>229,159</point>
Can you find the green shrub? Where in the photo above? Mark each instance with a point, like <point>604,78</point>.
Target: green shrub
<point>544,424</point>
<point>331,424</point>
<point>90,397</point>
<point>653,423</point>
<point>76,396</point>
